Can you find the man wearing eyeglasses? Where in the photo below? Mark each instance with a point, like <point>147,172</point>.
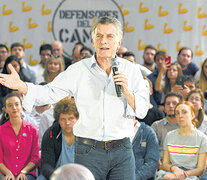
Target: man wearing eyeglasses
<point>4,53</point>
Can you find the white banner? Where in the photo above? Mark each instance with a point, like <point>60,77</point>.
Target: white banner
<point>166,24</point>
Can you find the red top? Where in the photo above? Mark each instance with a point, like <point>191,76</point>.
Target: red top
<point>16,151</point>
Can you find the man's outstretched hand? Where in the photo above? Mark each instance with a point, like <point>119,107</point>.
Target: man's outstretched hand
<point>13,81</point>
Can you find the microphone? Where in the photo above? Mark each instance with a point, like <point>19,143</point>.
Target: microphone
<point>114,69</point>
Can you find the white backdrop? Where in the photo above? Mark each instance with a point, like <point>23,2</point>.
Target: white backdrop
<point>166,24</point>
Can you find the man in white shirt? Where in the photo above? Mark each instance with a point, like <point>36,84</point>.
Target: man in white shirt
<point>105,123</point>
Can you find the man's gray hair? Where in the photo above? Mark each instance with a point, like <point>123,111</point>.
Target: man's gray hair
<point>72,171</point>
<point>107,20</point>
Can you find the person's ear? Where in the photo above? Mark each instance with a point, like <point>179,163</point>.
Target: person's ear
<point>151,91</point>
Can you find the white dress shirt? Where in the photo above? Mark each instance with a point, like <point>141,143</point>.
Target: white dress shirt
<point>46,120</point>
<point>39,71</point>
<point>102,115</point>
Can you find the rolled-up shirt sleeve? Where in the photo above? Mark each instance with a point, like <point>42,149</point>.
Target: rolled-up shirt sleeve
<point>50,93</point>
<point>141,95</point>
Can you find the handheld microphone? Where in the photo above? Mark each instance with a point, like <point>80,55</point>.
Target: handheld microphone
<point>114,69</point>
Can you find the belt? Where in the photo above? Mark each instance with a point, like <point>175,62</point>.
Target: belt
<point>101,144</point>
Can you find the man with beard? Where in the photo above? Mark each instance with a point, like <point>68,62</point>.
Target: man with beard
<point>148,56</point>
<point>17,49</point>
<point>163,126</point>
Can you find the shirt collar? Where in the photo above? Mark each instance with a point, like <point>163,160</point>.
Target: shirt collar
<point>24,64</point>
<point>165,122</point>
<point>93,62</point>
<point>8,123</point>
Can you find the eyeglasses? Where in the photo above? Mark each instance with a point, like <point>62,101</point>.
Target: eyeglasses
<point>195,98</point>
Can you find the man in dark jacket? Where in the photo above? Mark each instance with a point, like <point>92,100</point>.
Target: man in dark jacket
<point>57,143</point>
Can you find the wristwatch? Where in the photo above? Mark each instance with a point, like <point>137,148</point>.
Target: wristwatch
<point>23,172</point>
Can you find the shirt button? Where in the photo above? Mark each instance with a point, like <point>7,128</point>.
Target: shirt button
<point>16,165</point>
<point>17,141</point>
<point>17,158</point>
<point>16,149</point>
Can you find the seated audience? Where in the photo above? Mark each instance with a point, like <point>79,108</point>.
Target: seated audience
<point>45,53</point>
<point>58,141</point>
<point>73,172</point>
<point>146,151</point>
<point>153,114</point>
<point>4,54</point>
<point>53,67</point>
<point>196,97</point>
<point>76,52</point>
<point>17,49</point>
<point>15,62</point>
<point>185,148</point>
<point>19,142</point>
<point>85,52</point>
<point>58,51</point>
<point>121,51</point>
<point>159,59</point>
<point>189,84</point>
<point>203,77</point>
<point>171,75</point>
<point>169,123</point>
<point>131,57</point>
<point>184,58</point>
<point>148,57</point>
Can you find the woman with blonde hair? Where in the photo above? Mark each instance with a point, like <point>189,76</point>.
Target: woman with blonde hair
<point>53,67</point>
<point>185,148</point>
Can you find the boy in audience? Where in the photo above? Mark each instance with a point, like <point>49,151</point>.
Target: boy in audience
<point>169,123</point>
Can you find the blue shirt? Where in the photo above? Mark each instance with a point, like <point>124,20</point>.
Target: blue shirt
<point>102,115</point>
<point>156,97</point>
<point>67,153</point>
<point>191,69</point>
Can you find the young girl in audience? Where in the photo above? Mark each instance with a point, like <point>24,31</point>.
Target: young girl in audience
<point>19,142</point>
<point>170,75</point>
<point>196,97</point>
<point>185,148</point>
<point>54,66</point>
